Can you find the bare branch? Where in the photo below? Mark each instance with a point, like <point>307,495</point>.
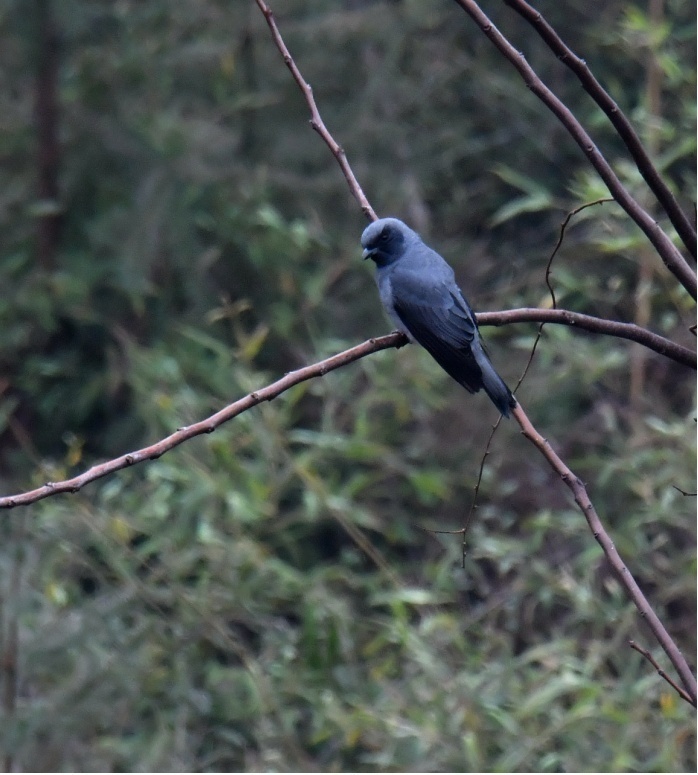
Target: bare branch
<point>646,654</point>
<point>630,331</point>
<point>576,486</point>
<point>625,130</point>
<point>666,249</point>
<point>316,120</point>
<point>209,424</point>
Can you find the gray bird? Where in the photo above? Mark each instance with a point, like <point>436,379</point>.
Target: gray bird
<point>419,292</point>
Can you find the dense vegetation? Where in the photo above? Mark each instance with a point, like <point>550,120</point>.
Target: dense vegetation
<point>273,596</point>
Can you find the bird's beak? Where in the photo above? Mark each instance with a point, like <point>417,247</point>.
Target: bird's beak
<point>368,253</point>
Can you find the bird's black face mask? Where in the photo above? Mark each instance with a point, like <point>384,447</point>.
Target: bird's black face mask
<point>385,247</point>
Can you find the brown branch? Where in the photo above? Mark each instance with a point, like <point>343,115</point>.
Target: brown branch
<point>626,579</point>
<point>666,249</point>
<point>646,654</point>
<point>625,130</point>
<point>316,121</point>
<point>209,424</point>
<point>659,344</point>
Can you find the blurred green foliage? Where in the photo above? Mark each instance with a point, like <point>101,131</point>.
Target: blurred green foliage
<point>271,596</point>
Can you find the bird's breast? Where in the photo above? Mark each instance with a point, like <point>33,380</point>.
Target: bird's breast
<point>387,298</point>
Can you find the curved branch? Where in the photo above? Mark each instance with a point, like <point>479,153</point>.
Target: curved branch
<point>626,579</point>
<point>625,130</point>
<point>208,425</point>
<point>659,344</point>
<point>666,249</point>
<point>316,121</point>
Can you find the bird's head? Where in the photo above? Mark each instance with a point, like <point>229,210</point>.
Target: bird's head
<point>386,240</point>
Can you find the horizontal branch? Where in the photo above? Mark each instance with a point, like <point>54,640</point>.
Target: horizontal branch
<point>666,249</point>
<point>622,125</point>
<point>634,333</point>
<point>576,486</point>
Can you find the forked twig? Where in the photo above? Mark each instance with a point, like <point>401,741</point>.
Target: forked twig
<point>646,654</point>
<point>539,334</point>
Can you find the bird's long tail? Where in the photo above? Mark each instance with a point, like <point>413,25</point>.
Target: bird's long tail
<point>494,385</point>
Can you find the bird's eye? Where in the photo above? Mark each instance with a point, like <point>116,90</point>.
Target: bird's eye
<point>383,238</point>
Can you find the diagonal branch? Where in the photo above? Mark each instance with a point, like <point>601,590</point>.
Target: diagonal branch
<point>626,579</point>
<point>646,654</point>
<point>209,424</point>
<point>625,130</point>
<point>666,249</point>
<point>316,121</point>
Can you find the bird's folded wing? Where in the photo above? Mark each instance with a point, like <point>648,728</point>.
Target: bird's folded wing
<point>443,324</point>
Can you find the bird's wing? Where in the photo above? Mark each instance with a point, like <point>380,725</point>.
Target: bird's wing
<point>439,318</point>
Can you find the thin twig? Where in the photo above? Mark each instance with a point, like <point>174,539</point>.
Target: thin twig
<point>561,237</point>
<point>683,492</point>
<point>316,119</point>
<point>626,579</point>
<point>625,130</point>
<point>476,491</point>
<point>646,654</point>
<point>666,249</point>
<point>209,424</point>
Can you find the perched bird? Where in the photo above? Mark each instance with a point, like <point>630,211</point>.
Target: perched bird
<point>419,292</point>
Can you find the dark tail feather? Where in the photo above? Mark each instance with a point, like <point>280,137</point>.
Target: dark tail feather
<point>496,389</point>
